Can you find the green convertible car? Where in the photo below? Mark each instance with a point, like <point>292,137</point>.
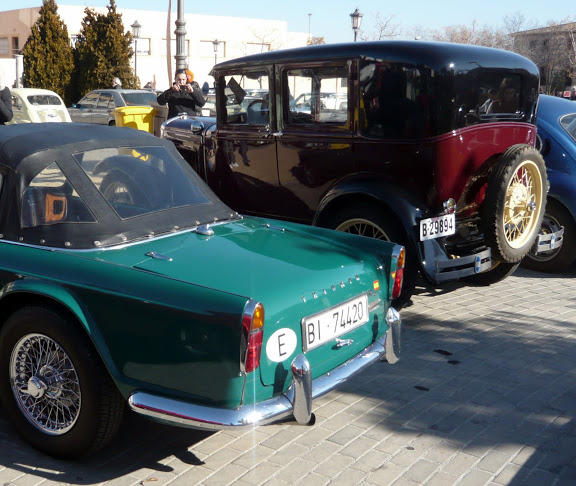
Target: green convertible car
<point>125,281</point>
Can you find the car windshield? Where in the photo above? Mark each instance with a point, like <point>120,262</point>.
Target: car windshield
<point>139,99</point>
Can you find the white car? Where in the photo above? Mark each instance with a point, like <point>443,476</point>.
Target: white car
<point>33,105</point>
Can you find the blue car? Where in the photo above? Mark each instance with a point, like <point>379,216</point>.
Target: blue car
<point>557,142</point>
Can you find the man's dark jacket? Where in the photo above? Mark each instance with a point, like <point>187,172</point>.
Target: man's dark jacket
<point>182,101</point>
<point>5,106</point>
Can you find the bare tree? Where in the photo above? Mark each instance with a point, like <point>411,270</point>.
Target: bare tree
<point>313,41</point>
<point>382,27</point>
<point>263,40</point>
<point>474,34</point>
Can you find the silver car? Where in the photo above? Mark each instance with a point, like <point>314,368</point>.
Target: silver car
<point>98,106</point>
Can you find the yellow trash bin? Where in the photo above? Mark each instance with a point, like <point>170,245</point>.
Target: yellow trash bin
<point>138,117</point>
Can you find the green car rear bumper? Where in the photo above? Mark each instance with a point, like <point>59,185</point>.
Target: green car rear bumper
<point>296,401</point>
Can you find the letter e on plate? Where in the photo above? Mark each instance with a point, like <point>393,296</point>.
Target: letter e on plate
<point>281,345</point>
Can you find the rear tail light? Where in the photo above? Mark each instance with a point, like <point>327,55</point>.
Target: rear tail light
<point>397,271</point>
<point>252,333</point>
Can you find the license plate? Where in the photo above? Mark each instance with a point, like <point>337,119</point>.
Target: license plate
<point>327,325</point>
<point>436,227</point>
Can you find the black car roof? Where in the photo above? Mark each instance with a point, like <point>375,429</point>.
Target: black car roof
<point>438,55</point>
<point>21,140</point>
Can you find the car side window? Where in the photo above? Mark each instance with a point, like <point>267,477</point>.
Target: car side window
<point>50,198</point>
<point>395,100</point>
<point>316,95</point>
<point>89,101</point>
<point>16,103</point>
<point>243,108</point>
<point>105,101</point>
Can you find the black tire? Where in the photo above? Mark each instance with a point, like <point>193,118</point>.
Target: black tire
<point>368,220</point>
<point>118,188</point>
<point>498,272</point>
<point>514,205</point>
<point>559,259</point>
<point>48,364</point>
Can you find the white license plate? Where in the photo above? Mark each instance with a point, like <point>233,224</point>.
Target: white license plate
<point>327,325</point>
<point>436,227</point>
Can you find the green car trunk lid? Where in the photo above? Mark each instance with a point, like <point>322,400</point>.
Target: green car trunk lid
<point>293,274</point>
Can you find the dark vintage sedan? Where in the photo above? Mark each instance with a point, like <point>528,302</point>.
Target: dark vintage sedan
<point>396,141</point>
<point>98,106</point>
<point>556,250</point>
<point>125,280</point>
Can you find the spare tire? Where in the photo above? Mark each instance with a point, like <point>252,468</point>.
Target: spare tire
<point>514,204</point>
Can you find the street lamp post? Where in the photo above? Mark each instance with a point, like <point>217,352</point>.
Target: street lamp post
<point>136,33</point>
<point>180,38</point>
<point>215,43</point>
<point>356,17</point>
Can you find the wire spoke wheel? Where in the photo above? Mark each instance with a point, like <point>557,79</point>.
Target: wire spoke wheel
<point>363,227</point>
<point>45,384</point>
<point>514,204</point>
<point>523,197</point>
<point>118,193</point>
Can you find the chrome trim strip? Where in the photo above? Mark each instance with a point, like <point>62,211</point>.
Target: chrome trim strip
<point>192,229</point>
<point>293,402</point>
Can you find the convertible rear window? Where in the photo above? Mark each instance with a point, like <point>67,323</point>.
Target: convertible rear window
<point>138,181</point>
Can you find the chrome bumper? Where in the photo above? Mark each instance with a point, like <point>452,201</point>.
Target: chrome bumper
<point>297,401</point>
<point>549,241</point>
<point>439,268</point>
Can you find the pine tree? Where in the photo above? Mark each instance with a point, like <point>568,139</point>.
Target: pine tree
<point>103,51</point>
<point>48,57</point>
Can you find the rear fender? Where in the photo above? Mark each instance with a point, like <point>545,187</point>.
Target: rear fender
<point>26,289</point>
<point>407,208</point>
<point>563,189</point>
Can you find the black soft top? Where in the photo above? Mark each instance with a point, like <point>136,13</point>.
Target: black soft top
<point>28,149</point>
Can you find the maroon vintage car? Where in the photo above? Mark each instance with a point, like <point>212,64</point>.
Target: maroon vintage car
<point>426,144</point>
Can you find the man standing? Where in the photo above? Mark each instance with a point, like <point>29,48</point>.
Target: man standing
<point>5,102</point>
<point>185,95</point>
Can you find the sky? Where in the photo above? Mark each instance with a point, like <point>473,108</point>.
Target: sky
<point>331,19</point>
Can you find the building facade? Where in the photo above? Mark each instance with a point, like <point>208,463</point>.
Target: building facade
<point>553,50</point>
<point>209,39</point>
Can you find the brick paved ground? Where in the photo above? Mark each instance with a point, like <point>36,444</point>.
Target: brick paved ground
<point>484,395</point>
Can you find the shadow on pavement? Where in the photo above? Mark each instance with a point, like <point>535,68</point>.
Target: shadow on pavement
<point>140,445</point>
<point>490,371</point>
